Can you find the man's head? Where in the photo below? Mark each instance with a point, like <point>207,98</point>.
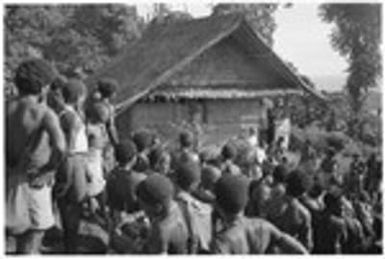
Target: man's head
<point>33,76</point>
<point>188,175</point>
<point>231,192</point>
<point>298,183</point>
<point>315,191</point>
<point>333,204</point>
<point>107,87</point>
<point>125,152</point>
<point>155,194</point>
<point>74,92</point>
<point>280,173</point>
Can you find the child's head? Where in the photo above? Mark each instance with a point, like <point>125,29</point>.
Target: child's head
<point>155,194</point>
<point>74,92</point>
<point>33,76</point>
<point>210,175</point>
<point>58,84</point>
<point>159,160</point>
<point>259,192</point>
<point>125,152</point>
<point>229,152</point>
<point>231,192</point>
<point>142,140</point>
<point>188,175</point>
<point>107,87</point>
<point>98,113</point>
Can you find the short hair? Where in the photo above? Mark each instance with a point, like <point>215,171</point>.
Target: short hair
<point>315,191</point>
<point>59,82</point>
<point>188,173</point>
<point>32,75</point>
<point>142,139</point>
<point>98,112</point>
<point>186,139</point>
<point>280,173</point>
<point>125,152</point>
<point>107,87</point>
<point>229,151</point>
<point>231,193</point>
<point>332,201</point>
<point>73,90</point>
<point>155,155</point>
<point>156,189</point>
<point>298,183</point>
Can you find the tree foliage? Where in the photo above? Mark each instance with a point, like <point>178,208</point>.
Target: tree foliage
<point>163,16</point>
<point>69,36</point>
<point>357,36</point>
<point>260,17</point>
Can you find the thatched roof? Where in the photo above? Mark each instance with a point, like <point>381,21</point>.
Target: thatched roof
<point>157,56</point>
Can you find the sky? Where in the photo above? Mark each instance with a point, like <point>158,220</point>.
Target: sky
<point>301,38</point>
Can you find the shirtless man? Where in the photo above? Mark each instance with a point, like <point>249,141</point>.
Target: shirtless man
<point>34,148</point>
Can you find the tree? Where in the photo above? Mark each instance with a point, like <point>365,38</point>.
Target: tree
<point>163,15</point>
<point>72,37</point>
<point>260,17</point>
<point>357,37</point>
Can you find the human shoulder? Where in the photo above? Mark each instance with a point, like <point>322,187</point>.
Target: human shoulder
<point>306,215</point>
<point>69,119</point>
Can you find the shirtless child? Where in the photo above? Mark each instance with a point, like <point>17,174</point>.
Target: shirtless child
<point>34,147</point>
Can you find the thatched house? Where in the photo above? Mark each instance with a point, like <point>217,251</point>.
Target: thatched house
<point>214,70</point>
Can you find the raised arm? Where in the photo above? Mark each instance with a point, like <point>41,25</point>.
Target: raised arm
<point>111,128</point>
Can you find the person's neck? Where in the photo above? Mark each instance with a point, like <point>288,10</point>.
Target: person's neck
<point>229,219</point>
<point>127,166</point>
<point>30,98</point>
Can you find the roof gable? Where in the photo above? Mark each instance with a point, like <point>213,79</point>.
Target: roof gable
<point>228,64</point>
<point>158,55</point>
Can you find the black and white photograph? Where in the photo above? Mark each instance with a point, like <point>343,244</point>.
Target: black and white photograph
<point>192,128</point>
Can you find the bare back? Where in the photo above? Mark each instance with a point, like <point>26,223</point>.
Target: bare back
<point>29,126</point>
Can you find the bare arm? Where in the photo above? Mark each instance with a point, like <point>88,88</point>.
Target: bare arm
<point>111,129</point>
<point>51,124</point>
<point>286,243</point>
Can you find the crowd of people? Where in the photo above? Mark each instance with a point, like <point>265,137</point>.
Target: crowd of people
<point>63,150</point>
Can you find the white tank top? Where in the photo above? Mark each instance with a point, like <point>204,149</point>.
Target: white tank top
<point>81,140</point>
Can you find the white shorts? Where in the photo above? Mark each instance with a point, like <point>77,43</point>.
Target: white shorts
<point>28,208</point>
